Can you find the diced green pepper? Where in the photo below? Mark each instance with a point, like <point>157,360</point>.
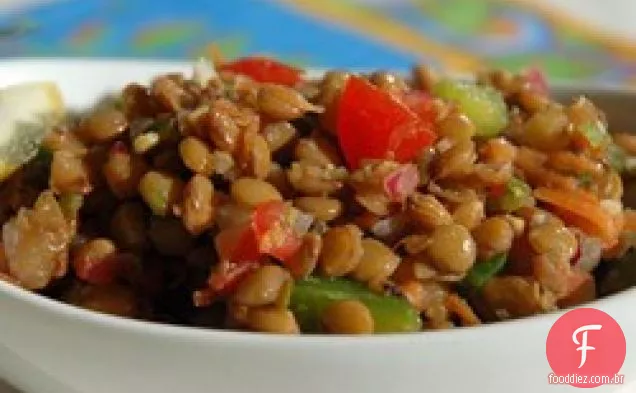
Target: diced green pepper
<point>481,272</point>
<point>310,297</point>
<point>483,105</point>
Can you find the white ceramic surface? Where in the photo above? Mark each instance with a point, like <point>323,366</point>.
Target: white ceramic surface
<point>50,347</point>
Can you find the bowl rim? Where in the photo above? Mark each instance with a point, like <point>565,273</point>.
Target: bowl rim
<point>47,305</point>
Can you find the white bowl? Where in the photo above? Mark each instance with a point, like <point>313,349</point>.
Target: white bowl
<point>51,347</point>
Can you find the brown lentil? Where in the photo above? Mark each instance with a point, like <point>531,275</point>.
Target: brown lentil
<point>222,128</point>
<point>347,317</point>
<point>322,208</point>
<point>341,250</point>
<point>456,127</point>
<point>123,171</point>
<point>113,299</point>
<point>311,179</point>
<point>198,205</point>
<point>309,151</point>
<point>196,156</point>
<point>305,260</point>
<point>103,125</point>
<point>251,192</point>
<point>493,236</point>
<point>160,191</point>
<point>279,134</point>
<point>452,249</point>
<point>469,214</point>
<point>377,263</point>
<point>262,286</point>
<point>283,103</point>
<point>428,212</point>
<point>271,319</point>
<point>69,173</point>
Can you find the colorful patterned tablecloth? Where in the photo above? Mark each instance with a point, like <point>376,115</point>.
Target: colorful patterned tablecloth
<point>459,35</point>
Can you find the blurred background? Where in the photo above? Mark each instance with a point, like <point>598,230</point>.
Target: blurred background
<point>570,39</point>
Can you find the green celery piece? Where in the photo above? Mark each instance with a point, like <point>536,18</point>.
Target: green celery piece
<point>483,105</point>
<point>310,297</point>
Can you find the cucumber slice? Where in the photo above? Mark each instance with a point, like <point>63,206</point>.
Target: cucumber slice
<point>482,104</point>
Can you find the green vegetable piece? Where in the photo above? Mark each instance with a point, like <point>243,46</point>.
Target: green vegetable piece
<point>310,297</point>
<point>481,272</point>
<point>516,195</point>
<point>595,133</point>
<point>484,105</point>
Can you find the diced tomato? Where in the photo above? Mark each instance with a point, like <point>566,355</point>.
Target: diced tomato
<point>227,275</point>
<point>237,245</point>
<point>272,231</point>
<point>421,103</point>
<point>273,225</point>
<point>401,183</point>
<point>99,271</point>
<point>372,124</point>
<point>263,69</point>
<point>239,254</point>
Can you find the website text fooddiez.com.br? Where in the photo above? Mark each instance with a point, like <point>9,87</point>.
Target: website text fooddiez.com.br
<point>569,379</point>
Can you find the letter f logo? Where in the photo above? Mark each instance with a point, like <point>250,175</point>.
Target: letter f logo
<point>583,344</point>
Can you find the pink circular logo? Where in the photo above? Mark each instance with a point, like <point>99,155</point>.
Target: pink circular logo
<point>585,348</point>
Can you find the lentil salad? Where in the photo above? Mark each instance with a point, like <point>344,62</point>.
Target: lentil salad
<point>250,197</point>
